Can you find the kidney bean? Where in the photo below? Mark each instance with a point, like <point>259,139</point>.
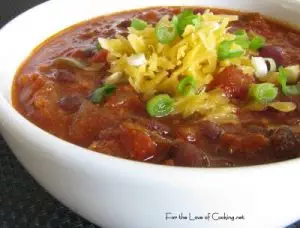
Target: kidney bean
<point>124,24</point>
<point>273,52</point>
<point>63,75</point>
<point>210,129</point>
<point>186,154</point>
<point>284,143</point>
<point>70,103</point>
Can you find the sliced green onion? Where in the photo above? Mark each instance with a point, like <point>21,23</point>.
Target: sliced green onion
<point>98,46</point>
<point>102,92</point>
<point>263,93</point>
<point>165,34</point>
<point>242,38</point>
<point>283,80</point>
<point>242,42</point>
<point>260,66</point>
<point>241,33</point>
<point>197,21</point>
<point>138,24</point>
<point>288,90</point>
<point>187,17</point>
<point>257,42</point>
<point>175,22</point>
<point>293,90</point>
<point>289,74</point>
<point>186,85</point>
<point>160,105</point>
<point>272,67</point>
<point>225,50</point>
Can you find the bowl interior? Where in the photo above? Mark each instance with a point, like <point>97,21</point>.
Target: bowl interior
<point>22,35</point>
<point>19,37</point>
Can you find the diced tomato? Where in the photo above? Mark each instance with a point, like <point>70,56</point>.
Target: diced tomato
<point>100,56</point>
<point>125,99</point>
<point>35,81</point>
<point>169,162</point>
<point>139,145</point>
<point>78,54</point>
<point>255,142</point>
<point>199,10</point>
<point>187,133</point>
<point>197,132</point>
<point>233,81</point>
<point>244,143</point>
<point>257,23</point>
<point>176,11</point>
<point>150,16</point>
<point>109,147</point>
<point>89,121</point>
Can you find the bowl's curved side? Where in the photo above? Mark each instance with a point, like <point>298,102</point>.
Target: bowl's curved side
<point>114,192</point>
<point>117,193</point>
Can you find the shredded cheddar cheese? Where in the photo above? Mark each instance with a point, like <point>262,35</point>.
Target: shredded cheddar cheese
<point>192,54</point>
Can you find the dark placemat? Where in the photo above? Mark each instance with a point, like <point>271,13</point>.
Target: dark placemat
<point>23,203</point>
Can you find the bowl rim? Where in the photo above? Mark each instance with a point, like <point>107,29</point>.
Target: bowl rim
<point>20,124</point>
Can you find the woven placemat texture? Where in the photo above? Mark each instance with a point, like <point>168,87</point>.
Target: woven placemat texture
<point>24,204</point>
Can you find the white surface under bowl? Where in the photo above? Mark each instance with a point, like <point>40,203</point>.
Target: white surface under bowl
<point>113,192</point>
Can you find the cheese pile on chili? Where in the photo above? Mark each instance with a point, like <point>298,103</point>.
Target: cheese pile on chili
<point>172,62</point>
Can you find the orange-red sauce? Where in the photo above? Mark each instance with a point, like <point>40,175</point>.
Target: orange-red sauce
<point>57,100</point>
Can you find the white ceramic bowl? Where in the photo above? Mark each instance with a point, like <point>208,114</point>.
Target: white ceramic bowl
<point>113,192</point>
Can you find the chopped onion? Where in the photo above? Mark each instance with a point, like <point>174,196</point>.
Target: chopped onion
<point>293,73</point>
<point>260,66</point>
<point>272,77</point>
<point>103,43</point>
<point>272,64</point>
<point>114,78</point>
<point>216,26</point>
<point>136,60</point>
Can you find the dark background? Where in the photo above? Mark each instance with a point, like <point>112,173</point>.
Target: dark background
<point>11,8</point>
<point>23,203</point>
